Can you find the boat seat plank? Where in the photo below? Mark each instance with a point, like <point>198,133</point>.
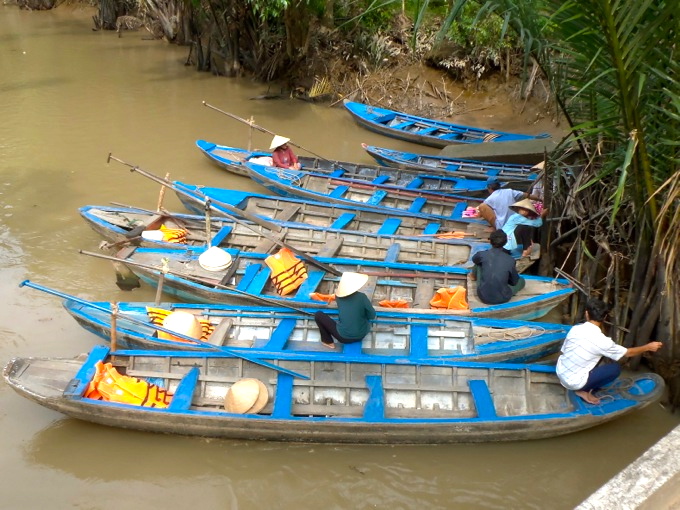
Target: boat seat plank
<point>283,400</point>
<point>248,276</point>
<point>380,179</point>
<point>374,409</point>
<point>281,335</point>
<point>428,131</point>
<point>339,172</point>
<point>417,204</point>
<point>486,409</point>
<point>385,118</point>
<point>377,197</point>
<point>419,336</point>
<point>432,228</point>
<point>181,399</point>
<point>424,293</point>
<point>415,183</point>
<point>389,227</point>
<point>343,220</point>
<point>451,136</point>
<point>331,247</point>
<point>310,284</point>
<point>393,252</point>
<point>287,212</point>
<point>259,281</point>
<point>353,349</point>
<point>338,192</point>
<point>155,220</point>
<point>458,210</point>
<point>221,235</point>
<point>219,335</point>
<point>452,167</point>
<point>492,172</point>
<point>79,383</point>
<point>403,125</point>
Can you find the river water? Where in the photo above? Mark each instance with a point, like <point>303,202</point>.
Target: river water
<point>69,97</point>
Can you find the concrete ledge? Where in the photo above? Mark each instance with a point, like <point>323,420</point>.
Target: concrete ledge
<point>652,482</point>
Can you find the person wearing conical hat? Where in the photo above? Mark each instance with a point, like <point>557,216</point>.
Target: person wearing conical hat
<point>496,207</point>
<point>496,272</point>
<point>355,312</point>
<point>521,228</point>
<point>282,155</point>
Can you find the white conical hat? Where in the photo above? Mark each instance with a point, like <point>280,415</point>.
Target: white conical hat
<point>539,166</point>
<point>246,396</point>
<point>350,283</point>
<point>181,322</point>
<point>525,204</point>
<point>214,259</point>
<point>278,141</point>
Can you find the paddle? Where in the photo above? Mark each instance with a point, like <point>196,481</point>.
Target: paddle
<point>208,203</point>
<point>257,361</point>
<point>197,280</point>
<point>261,129</point>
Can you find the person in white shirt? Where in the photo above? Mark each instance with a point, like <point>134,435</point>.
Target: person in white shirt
<point>577,366</point>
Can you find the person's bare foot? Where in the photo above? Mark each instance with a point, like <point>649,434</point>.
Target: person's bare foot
<point>330,346</point>
<point>588,397</point>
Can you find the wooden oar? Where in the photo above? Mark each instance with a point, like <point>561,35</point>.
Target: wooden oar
<point>226,350</point>
<point>208,202</point>
<point>197,280</point>
<point>263,130</point>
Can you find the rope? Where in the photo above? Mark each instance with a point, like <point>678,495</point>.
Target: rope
<point>483,335</point>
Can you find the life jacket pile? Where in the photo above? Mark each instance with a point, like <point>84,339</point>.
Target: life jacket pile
<point>395,303</point>
<point>107,384</point>
<point>453,298</point>
<point>174,235</point>
<point>317,296</point>
<point>288,272</point>
<point>158,315</point>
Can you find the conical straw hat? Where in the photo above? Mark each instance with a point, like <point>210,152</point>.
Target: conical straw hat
<point>278,141</point>
<point>246,396</point>
<point>539,166</point>
<point>525,204</point>
<point>350,283</point>
<point>181,322</point>
<point>214,259</point>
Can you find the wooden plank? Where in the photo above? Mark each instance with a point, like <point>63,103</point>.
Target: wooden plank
<point>219,334</point>
<point>287,212</point>
<point>369,288</point>
<point>389,227</point>
<point>424,293</point>
<point>343,220</point>
<point>486,410</point>
<point>393,252</point>
<point>331,247</point>
<point>181,399</point>
<point>417,204</point>
<point>374,409</point>
<point>283,400</point>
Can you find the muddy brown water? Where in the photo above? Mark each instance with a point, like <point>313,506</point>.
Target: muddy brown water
<point>68,97</point>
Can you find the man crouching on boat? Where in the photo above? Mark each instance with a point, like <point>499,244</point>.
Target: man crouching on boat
<point>585,345</point>
<point>496,272</point>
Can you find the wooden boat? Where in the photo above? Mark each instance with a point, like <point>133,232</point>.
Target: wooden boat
<point>234,159</point>
<point>326,215</point>
<point>425,131</point>
<point>519,175</point>
<point>325,188</point>
<point>267,330</point>
<point>119,225</point>
<point>346,401</point>
<point>248,278</point>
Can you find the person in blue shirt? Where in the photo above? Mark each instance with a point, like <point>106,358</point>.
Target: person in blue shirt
<point>496,273</point>
<point>496,208</point>
<point>355,312</point>
<point>521,228</point>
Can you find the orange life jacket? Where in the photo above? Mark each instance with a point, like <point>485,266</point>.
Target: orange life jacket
<point>397,303</point>
<point>317,296</point>
<point>158,315</point>
<point>453,298</point>
<point>288,272</point>
<point>174,235</point>
<point>108,384</point>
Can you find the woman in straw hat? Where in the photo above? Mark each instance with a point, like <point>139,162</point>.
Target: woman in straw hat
<point>521,228</point>
<point>283,156</point>
<point>355,312</point>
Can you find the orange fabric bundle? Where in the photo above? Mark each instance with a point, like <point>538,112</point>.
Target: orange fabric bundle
<point>174,235</point>
<point>397,303</point>
<point>108,384</point>
<point>317,296</point>
<point>158,315</point>
<point>452,235</point>
<point>288,272</point>
<point>453,298</point>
